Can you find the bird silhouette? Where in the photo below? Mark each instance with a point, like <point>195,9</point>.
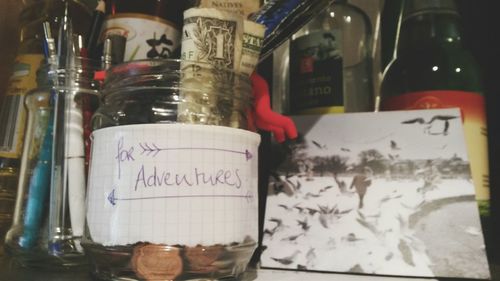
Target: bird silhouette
<point>421,121</point>
<point>279,225</point>
<point>311,257</point>
<point>325,188</point>
<point>418,120</point>
<point>361,182</point>
<point>278,222</point>
<point>394,145</point>
<point>318,145</point>
<point>287,260</point>
<point>284,207</point>
<point>340,183</point>
<point>292,238</point>
<point>345,149</point>
<point>295,186</point>
<point>310,194</point>
<point>299,208</point>
<point>326,215</point>
<point>303,224</point>
<point>393,156</point>
<point>351,237</point>
<point>312,211</point>
<point>269,232</point>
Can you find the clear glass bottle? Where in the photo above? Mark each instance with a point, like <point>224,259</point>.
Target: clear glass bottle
<point>23,79</point>
<point>210,230</point>
<point>49,214</point>
<point>327,66</point>
<point>24,237</point>
<point>432,68</point>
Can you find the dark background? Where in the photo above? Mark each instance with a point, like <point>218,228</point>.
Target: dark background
<point>481,20</point>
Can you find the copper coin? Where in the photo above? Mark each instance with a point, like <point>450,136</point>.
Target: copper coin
<point>156,262</point>
<point>200,258</point>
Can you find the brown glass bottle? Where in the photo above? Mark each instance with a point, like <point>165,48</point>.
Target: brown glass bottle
<point>152,28</point>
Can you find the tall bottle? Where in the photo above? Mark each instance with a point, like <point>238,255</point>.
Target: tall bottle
<point>22,80</point>
<point>328,68</point>
<point>152,28</point>
<point>433,69</point>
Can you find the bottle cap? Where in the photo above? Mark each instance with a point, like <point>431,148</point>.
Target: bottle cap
<point>417,7</point>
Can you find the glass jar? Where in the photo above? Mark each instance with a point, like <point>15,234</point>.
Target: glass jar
<point>49,213</point>
<point>23,79</point>
<point>172,191</point>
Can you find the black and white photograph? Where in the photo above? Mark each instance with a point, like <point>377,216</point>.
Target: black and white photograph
<point>386,194</point>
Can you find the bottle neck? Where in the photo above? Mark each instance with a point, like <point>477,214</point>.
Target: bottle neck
<point>429,29</point>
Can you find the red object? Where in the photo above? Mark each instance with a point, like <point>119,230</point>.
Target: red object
<point>306,65</point>
<point>281,126</point>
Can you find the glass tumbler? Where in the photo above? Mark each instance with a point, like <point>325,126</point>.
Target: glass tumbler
<point>49,214</point>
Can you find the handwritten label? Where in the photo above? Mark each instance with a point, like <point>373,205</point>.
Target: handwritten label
<point>173,184</point>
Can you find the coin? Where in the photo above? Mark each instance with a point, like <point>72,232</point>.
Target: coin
<point>200,258</point>
<point>156,262</point>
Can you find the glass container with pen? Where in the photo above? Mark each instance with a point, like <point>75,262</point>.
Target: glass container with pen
<point>23,79</point>
<point>172,192</point>
<point>50,205</point>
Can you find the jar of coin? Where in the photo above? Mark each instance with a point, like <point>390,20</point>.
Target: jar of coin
<point>172,191</point>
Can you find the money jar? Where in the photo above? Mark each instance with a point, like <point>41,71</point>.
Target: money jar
<point>172,190</point>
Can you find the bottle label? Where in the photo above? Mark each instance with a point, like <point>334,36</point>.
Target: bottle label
<point>148,37</point>
<point>474,122</point>
<point>173,184</point>
<point>13,112</point>
<point>316,84</point>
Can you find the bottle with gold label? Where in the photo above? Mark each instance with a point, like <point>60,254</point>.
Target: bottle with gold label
<point>432,68</point>
<point>152,28</point>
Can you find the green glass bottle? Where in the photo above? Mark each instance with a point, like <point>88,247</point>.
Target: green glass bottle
<point>432,68</point>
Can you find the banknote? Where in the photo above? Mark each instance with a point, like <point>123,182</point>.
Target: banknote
<point>253,37</point>
<point>212,36</point>
<point>243,8</point>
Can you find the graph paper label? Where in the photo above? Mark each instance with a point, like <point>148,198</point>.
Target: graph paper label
<point>173,184</point>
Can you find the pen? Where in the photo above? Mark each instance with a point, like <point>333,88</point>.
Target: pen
<point>68,180</point>
<point>40,179</point>
<point>38,192</point>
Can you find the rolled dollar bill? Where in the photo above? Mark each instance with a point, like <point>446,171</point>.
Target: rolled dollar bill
<point>253,37</point>
<point>212,36</point>
<point>211,53</point>
<point>243,8</point>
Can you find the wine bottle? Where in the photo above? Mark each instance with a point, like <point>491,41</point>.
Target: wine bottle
<point>432,68</point>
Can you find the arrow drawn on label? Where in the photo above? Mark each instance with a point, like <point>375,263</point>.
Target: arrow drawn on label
<point>152,150</point>
<point>112,197</point>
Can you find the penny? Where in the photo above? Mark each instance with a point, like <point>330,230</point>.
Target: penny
<point>156,262</point>
<point>200,258</point>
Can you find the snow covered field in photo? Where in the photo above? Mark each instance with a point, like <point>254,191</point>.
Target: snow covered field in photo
<point>320,227</point>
